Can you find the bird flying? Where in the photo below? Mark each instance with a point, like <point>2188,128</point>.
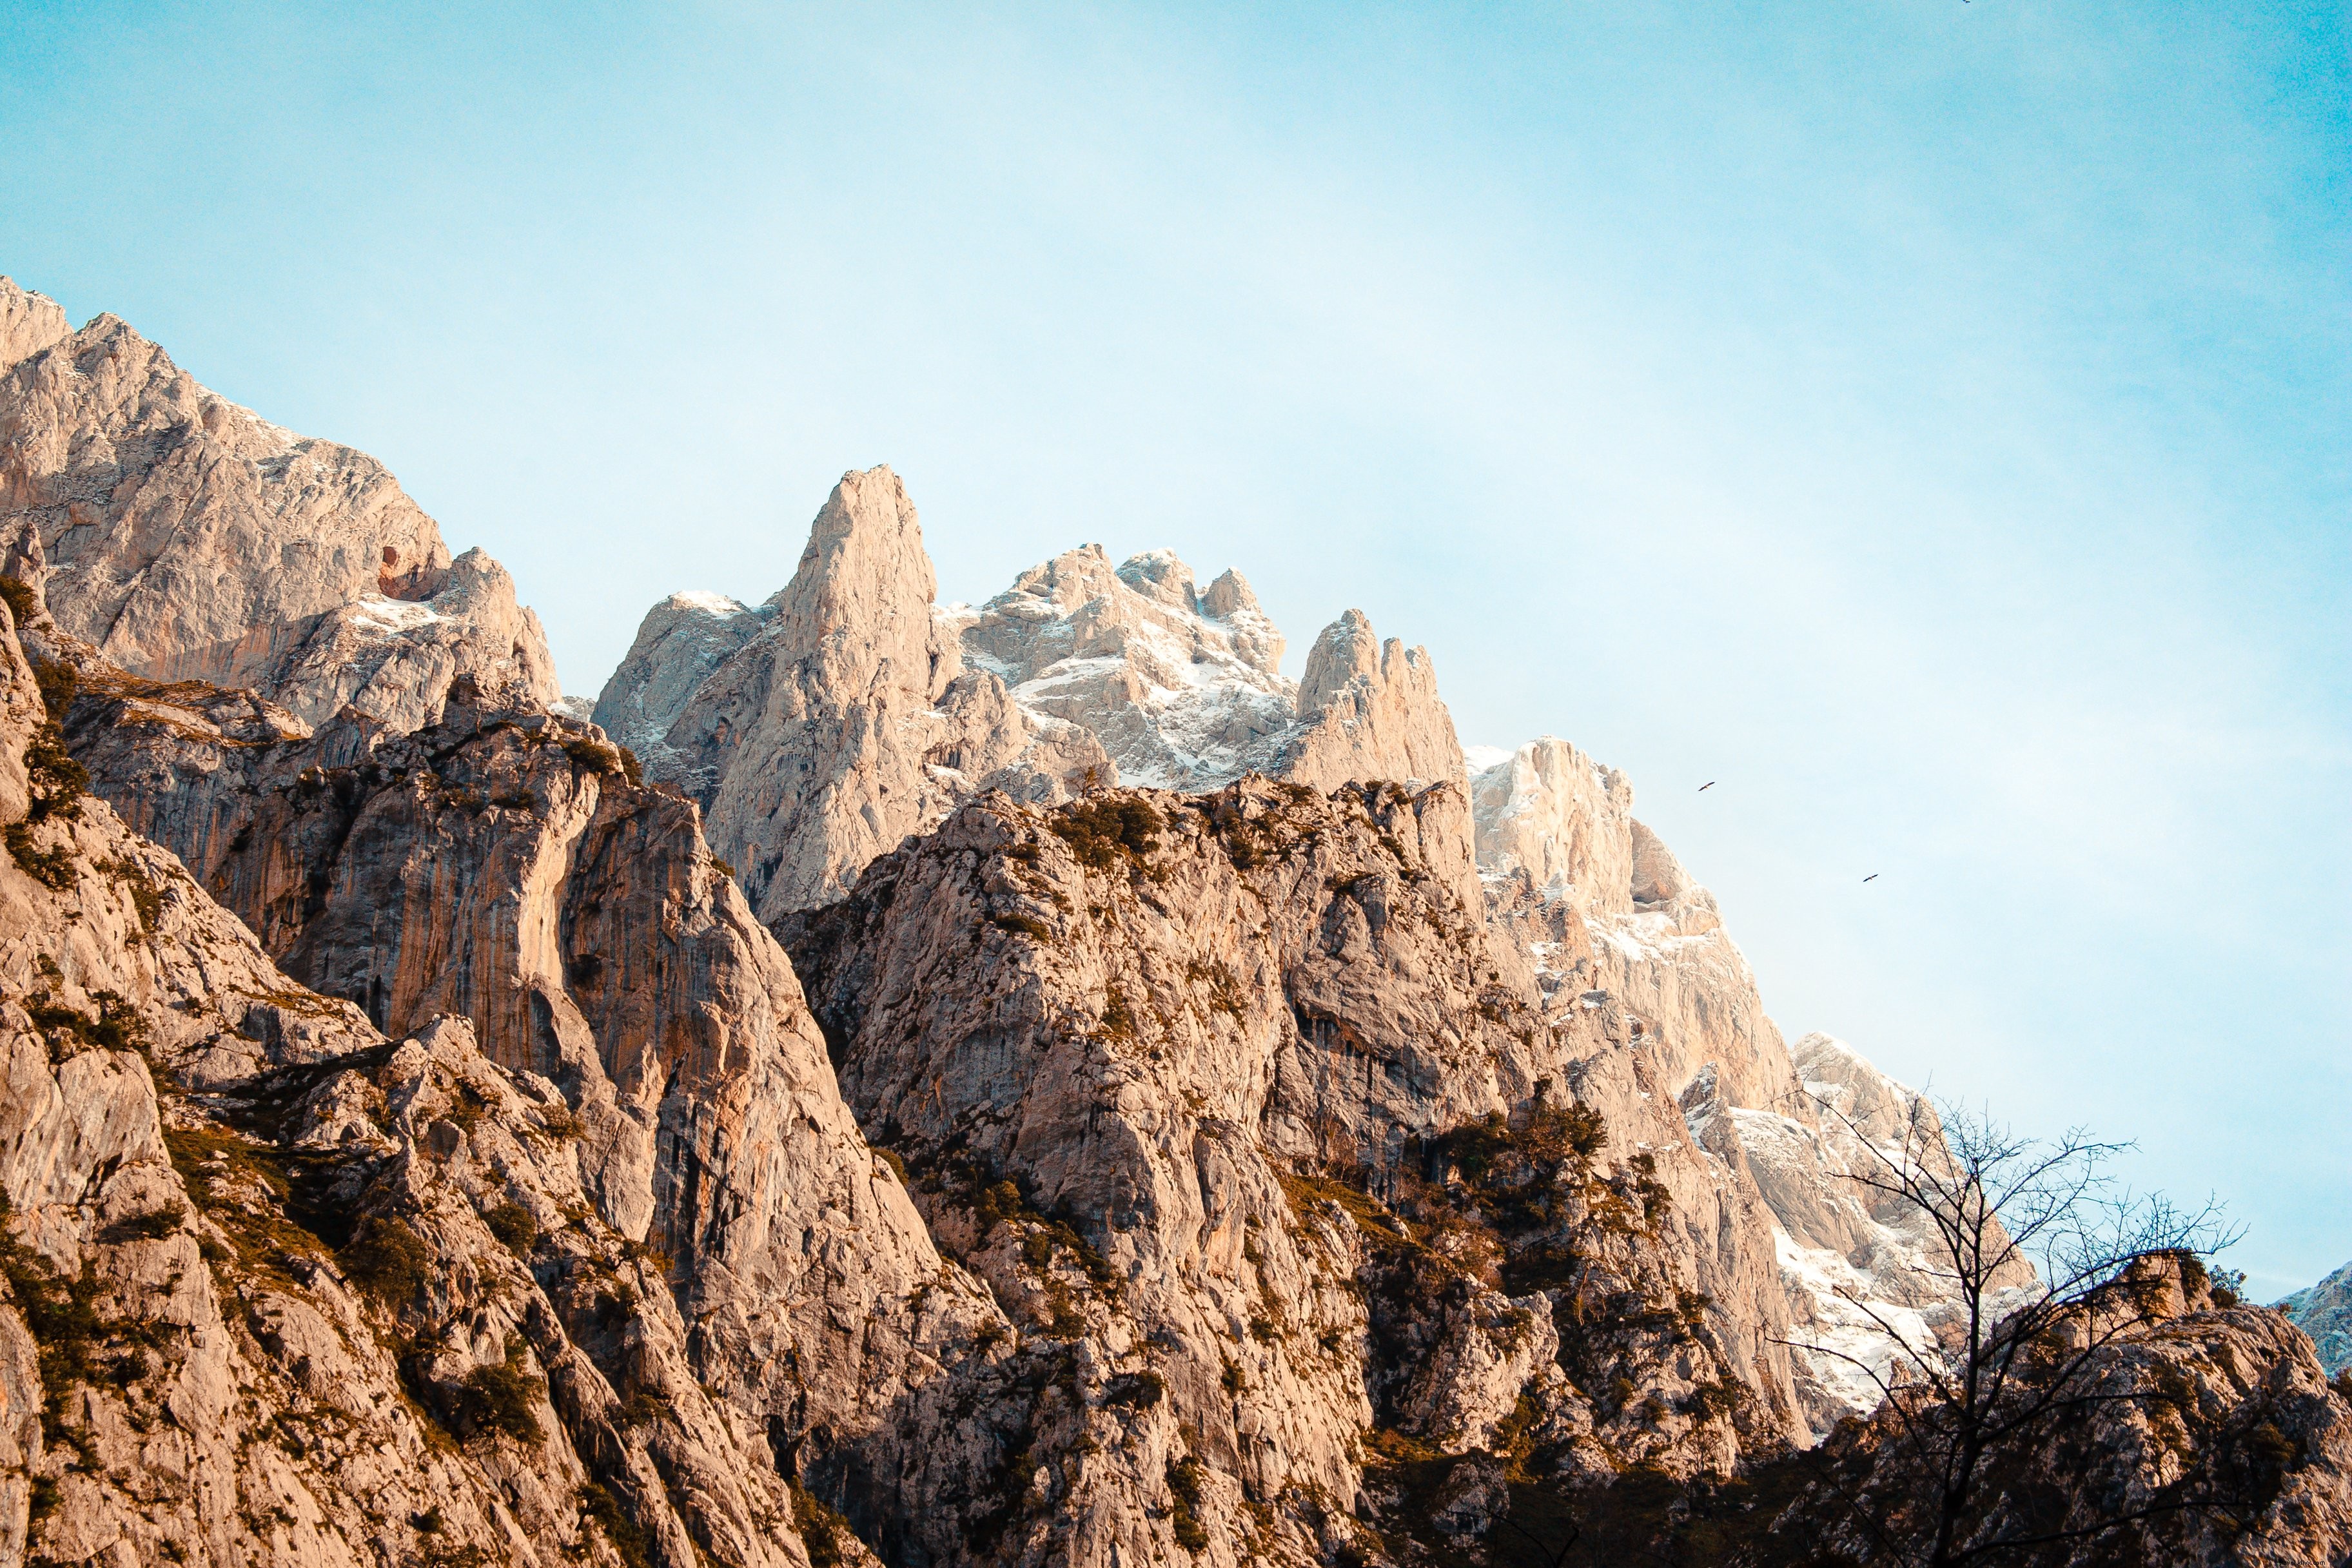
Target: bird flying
<point>1706,786</point>
<point>1872,877</point>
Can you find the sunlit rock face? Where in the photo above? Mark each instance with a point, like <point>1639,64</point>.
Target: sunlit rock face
<point>184,537</point>
<point>822,729</point>
<point>1182,689</point>
<point>849,710</point>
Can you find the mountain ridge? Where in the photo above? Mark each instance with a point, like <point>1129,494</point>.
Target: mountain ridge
<point>1020,1084</point>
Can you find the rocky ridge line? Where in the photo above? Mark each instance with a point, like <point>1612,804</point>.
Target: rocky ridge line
<point>1250,1177</point>
<point>184,537</point>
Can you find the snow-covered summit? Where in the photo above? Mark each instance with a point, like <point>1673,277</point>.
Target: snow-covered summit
<point>1183,688</point>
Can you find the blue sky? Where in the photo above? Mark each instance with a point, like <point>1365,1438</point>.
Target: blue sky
<point>1930,420</point>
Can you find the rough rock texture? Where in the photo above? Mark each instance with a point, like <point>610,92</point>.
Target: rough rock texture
<point>2325,1312</point>
<point>846,713</point>
<point>1552,813</point>
<point>1856,1262</point>
<point>1606,918</point>
<point>679,643</point>
<point>439,1161</point>
<point>501,867</point>
<point>277,1291</point>
<point>1184,1080</point>
<point>28,322</point>
<point>2224,1410</point>
<point>1369,710</point>
<point>187,537</point>
<point>1183,688</point>
<point>845,722</point>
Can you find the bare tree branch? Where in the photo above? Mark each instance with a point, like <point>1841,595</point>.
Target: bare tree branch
<point>2050,1261</point>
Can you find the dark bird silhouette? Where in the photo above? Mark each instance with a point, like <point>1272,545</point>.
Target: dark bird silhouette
<point>1706,786</point>
<point>1872,877</point>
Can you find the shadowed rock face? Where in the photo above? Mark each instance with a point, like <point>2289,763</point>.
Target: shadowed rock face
<point>186,538</point>
<point>680,642</point>
<point>1223,1043</point>
<point>2216,1426</point>
<point>282,1290</point>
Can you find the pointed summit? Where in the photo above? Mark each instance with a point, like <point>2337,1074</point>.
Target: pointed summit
<point>1371,711</point>
<point>844,721</point>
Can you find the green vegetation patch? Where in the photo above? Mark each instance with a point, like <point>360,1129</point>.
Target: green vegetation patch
<point>1106,831</point>
<point>501,1397</point>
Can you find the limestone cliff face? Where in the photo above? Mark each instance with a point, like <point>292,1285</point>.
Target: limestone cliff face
<point>28,323</point>
<point>1609,919</point>
<point>844,722</point>
<point>848,711</point>
<point>2212,1431</point>
<point>279,1291</point>
<point>186,538</point>
<point>2325,1312</point>
<point>1552,813</point>
<point>501,867</point>
<point>680,642</point>
<point>1183,688</point>
<point>1185,1078</point>
<point>420,1147</point>
<point>1854,1260</point>
<point>1367,711</point>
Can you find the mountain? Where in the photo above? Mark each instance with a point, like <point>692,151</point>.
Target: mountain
<point>2325,1312</point>
<point>908,1082</point>
<point>186,538</point>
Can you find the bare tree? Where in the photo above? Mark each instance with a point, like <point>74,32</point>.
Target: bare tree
<point>2050,1259</point>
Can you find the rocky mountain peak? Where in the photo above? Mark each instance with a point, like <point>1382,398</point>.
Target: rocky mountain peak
<point>1369,709</point>
<point>1346,651</point>
<point>2325,1312</point>
<point>430,1139</point>
<point>864,589</point>
<point>681,641</point>
<point>1554,813</point>
<point>188,538</point>
<point>29,322</point>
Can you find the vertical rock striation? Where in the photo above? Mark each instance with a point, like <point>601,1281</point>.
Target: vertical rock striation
<point>420,1148</point>
<point>845,722</point>
<point>279,1291</point>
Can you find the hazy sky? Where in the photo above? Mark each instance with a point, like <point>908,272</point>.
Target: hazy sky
<point>1932,421</point>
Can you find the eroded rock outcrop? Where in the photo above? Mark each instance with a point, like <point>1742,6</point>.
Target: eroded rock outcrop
<point>502,868</point>
<point>1367,711</point>
<point>1183,688</point>
<point>845,721</point>
<point>279,1290</point>
<point>680,642</point>
<point>186,538</point>
<point>1349,1163</point>
<point>1608,920</point>
<point>28,323</point>
<point>848,711</point>
<point>1185,1078</point>
<point>2207,1434</point>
